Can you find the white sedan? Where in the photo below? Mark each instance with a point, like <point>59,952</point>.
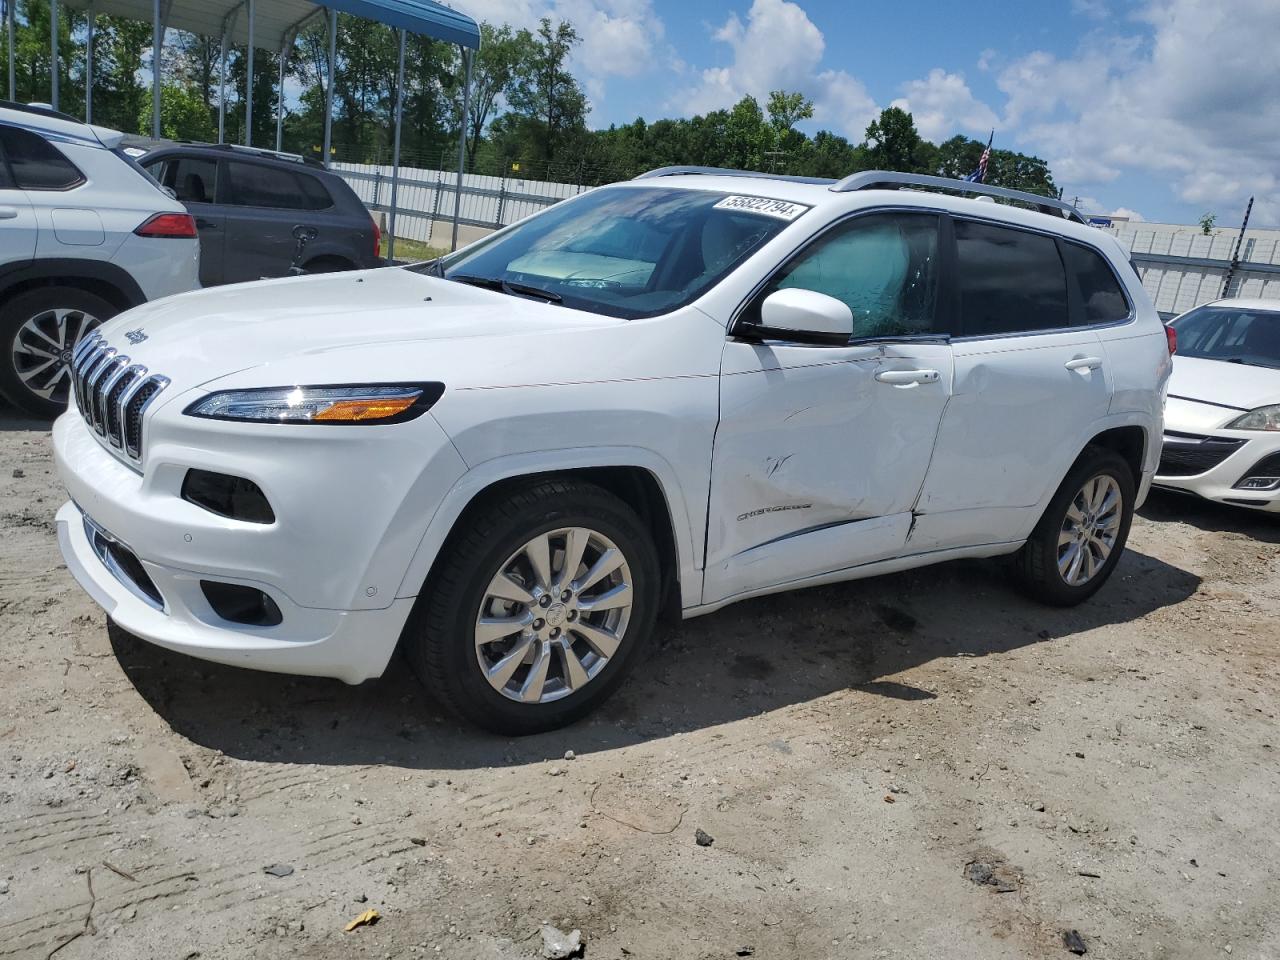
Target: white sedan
<point>1222,421</point>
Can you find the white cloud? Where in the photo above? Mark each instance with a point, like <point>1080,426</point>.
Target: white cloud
<point>620,38</point>
<point>1133,215</point>
<point>1196,101</point>
<point>943,105</point>
<point>1093,9</point>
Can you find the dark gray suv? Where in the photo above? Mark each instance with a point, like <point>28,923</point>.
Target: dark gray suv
<point>257,211</point>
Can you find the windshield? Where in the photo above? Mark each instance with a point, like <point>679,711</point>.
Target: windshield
<point>1232,334</point>
<point>623,251</point>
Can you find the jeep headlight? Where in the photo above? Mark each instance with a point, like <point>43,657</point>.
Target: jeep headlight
<point>1263,418</point>
<point>346,404</point>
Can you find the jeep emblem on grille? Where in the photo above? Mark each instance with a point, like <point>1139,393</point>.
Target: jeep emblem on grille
<point>135,336</point>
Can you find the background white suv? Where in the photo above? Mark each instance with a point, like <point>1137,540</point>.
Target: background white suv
<point>672,393</point>
<point>84,234</point>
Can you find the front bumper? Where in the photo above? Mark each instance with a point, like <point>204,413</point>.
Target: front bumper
<point>1232,455</point>
<point>331,563</point>
<point>350,645</point>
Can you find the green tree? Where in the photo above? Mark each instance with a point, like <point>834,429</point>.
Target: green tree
<point>545,93</point>
<point>503,52</point>
<point>787,109</point>
<point>894,144</point>
<point>183,114</point>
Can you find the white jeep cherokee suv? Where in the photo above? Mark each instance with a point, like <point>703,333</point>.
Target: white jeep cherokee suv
<point>681,391</point>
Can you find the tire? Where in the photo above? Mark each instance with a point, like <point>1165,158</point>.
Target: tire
<point>443,639</point>
<point>1037,566</point>
<point>62,314</point>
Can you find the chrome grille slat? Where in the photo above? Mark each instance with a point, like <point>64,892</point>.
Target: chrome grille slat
<point>112,394</point>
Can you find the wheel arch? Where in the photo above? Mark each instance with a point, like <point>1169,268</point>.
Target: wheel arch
<point>102,279</point>
<point>1130,441</point>
<point>640,478</point>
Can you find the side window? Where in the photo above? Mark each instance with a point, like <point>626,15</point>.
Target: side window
<point>36,164</point>
<point>314,194</point>
<point>883,266</point>
<point>1104,299</point>
<point>193,179</point>
<point>258,185</point>
<point>6,181</point>
<point>1011,281</point>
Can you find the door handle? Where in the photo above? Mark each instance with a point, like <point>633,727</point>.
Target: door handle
<point>1084,363</point>
<point>8,213</point>
<point>907,377</point>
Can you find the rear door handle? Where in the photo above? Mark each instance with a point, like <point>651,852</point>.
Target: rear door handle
<point>907,377</point>
<point>1084,363</point>
<point>8,213</point>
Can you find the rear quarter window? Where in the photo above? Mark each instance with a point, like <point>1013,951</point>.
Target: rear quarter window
<point>35,163</point>
<point>1101,294</point>
<point>260,185</point>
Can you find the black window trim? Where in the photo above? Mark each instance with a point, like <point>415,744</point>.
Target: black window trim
<point>52,141</point>
<point>1075,307</point>
<point>741,330</point>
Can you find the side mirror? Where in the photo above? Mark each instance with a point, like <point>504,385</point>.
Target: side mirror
<point>806,316</point>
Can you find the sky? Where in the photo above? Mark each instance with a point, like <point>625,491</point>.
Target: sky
<point>1157,109</point>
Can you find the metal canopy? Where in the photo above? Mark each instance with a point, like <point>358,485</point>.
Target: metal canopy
<point>275,22</point>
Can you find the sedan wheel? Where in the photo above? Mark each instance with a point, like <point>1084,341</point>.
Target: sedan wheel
<point>42,349</point>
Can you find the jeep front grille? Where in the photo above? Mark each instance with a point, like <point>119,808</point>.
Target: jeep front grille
<point>111,393</point>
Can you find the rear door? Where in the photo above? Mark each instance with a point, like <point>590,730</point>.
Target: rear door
<point>264,203</point>
<point>1030,384</point>
<point>821,451</point>
<point>18,230</point>
<point>194,181</point>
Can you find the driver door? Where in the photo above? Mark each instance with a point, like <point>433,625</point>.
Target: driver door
<point>821,451</point>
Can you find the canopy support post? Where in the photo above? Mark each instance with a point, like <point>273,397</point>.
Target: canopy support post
<point>280,103</point>
<point>88,64</point>
<point>53,51</point>
<point>248,86</point>
<point>9,19</point>
<point>222,86</point>
<point>328,87</point>
<point>462,147</point>
<point>395,151</point>
<point>157,42</point>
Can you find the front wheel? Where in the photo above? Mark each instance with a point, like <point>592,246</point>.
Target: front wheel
<point>537,609</point>
<point>1082,534</point>
<point>40,330</point>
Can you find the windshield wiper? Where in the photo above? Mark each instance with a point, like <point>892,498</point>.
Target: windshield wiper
<point>508,287</point>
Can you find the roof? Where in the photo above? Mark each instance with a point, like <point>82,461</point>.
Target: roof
<point>56,125</point>
<point>277,22</point>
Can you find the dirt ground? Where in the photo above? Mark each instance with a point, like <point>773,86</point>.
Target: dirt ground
<point>863,756</point>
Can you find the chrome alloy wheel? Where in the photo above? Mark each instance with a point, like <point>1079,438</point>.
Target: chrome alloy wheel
<point>553,615</point>
<point>1089,530</point>
<point>41,351</point>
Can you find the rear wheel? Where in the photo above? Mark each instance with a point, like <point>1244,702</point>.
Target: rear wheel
<point>328,265</point>
<point>537,609</point>
<point>1080,538</point>
<point>39,331</point>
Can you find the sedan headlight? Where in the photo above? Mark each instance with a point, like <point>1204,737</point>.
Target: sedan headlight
<point>381,403</point>
<point>1263,418</point>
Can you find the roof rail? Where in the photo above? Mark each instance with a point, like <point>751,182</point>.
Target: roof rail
<point>892,180</point>
<point>255,151</point>
<point>726,172</point>
<point>40,110</point>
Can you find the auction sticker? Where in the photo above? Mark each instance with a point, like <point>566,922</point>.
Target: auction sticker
<point>782,209</point>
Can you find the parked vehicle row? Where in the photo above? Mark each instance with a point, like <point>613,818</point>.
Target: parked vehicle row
<point>669,394</point>
<point>85,232</point>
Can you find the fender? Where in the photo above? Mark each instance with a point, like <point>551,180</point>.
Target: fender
<point>64,268</point>
<point>517,465</point>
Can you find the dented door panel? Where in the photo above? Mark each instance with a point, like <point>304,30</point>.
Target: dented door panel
<point>817,463</point>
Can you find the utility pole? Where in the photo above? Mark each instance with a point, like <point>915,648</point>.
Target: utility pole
<point>1235,256</point>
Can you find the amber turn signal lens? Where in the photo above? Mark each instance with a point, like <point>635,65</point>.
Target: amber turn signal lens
<point>356,410</point>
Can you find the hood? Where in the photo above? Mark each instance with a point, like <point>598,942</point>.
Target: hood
<point>197,337</point>
<point>1225,384</point>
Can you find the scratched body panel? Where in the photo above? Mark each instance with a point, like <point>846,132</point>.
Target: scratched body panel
<point>817,464</point>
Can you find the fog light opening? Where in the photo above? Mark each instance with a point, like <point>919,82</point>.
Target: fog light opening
<point>241,604</point>
<point>233,497</point>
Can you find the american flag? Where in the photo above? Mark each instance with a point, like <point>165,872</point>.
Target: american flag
<point>980,175</point>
